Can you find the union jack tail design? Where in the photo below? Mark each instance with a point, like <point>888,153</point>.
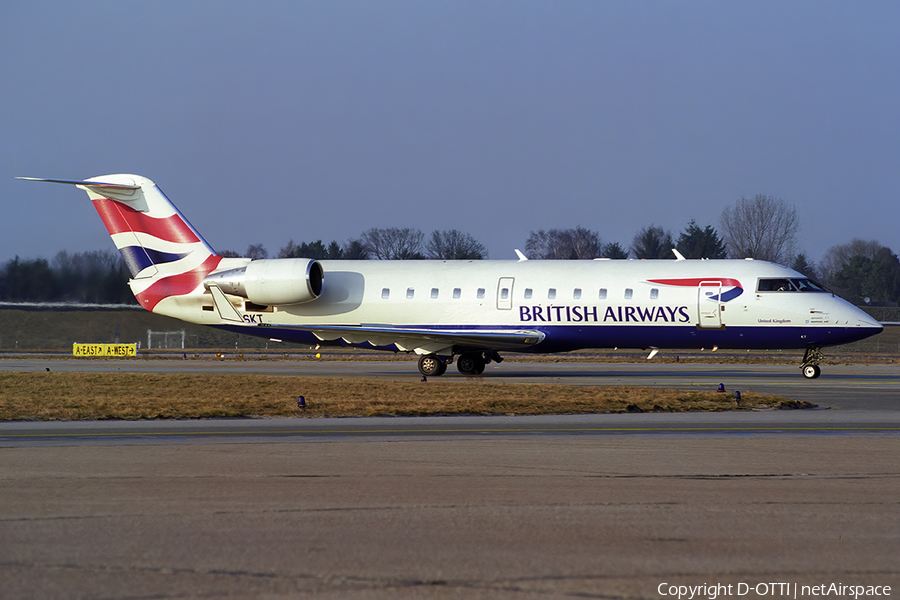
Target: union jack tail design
<point>165,254</point>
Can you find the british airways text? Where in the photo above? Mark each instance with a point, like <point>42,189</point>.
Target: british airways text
<point>612,314</point>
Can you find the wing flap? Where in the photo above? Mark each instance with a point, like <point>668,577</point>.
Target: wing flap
<point>424,341</point>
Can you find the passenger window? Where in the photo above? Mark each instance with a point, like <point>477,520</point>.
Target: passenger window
<point>654,294</point>
<point>504,294</point>
<point>628,293</point>
<point>603,293</point>
<point>385,293</point>
<point>480,293</point>
<point>410,292</point>
<point>528,293</point>
<point>434,292</point>
<point>456,293</point>
<point>551,293</point>
<point>577,294</point>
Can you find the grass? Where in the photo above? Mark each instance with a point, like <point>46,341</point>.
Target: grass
<point>70,396</point>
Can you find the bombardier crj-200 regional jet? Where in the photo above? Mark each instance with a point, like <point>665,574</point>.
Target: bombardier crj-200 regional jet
<point>467,310</point>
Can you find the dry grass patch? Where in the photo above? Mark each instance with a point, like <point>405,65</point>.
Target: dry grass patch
<point>52,396</point>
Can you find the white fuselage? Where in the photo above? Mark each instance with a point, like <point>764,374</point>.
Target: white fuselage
<point>575,304</point>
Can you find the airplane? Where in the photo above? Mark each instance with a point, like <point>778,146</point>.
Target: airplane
<point>467,310</point>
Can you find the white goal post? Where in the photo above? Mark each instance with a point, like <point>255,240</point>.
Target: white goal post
<point>165,339</point>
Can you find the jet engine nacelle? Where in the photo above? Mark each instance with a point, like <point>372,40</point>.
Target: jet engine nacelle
<point>272,282</point>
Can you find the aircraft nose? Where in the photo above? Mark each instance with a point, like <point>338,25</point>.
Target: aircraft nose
<point>863,319</point>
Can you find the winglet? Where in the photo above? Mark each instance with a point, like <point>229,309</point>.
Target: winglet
<point>678,255</point>
<point>520,255</point>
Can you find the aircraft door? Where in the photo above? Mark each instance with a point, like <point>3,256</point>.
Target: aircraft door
<point>504,293</point>
<point>709,295</point>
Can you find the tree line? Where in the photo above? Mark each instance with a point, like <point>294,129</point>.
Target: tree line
<point>389,243</point>
<point>762,227</point>
<point>95,277</point>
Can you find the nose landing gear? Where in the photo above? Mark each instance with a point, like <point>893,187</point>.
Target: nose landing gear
<point>810,367</point>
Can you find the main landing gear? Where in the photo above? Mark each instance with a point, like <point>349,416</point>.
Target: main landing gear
<point>468,363</point>
<point>431,365</point>
<point>471,363</point>
<point>810,366</point>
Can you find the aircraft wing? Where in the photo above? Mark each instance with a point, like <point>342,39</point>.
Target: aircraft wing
<point>424,341</point>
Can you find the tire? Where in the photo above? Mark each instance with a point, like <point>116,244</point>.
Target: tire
<point>470,363</point>
<point>811,371</point>
<point>431,365</point>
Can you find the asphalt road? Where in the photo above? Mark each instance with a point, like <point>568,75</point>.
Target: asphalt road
<point>593,506</point>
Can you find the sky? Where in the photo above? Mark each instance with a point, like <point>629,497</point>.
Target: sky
<point>269,121</point>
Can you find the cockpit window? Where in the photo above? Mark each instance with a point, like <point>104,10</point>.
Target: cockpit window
<point>774,285</point>
<point>788,285</point>
<point>807,285</point>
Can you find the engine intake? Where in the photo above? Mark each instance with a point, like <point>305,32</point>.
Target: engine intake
<point>276,282</point>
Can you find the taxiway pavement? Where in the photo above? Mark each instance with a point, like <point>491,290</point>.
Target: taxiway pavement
<point>534,507</point>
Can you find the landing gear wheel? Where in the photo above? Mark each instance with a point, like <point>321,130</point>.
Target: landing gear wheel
<point>810,366</point>
<point>811,371</point>
<point>431,365</point>
<point>470,363</point>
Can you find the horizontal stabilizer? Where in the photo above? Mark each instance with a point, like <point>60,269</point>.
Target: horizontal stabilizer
<point>98,184</point>
<point>127,190</point>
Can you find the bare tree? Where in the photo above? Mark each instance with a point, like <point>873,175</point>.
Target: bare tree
<point>762,227</point>
<point>290,250</point>
<point>257,252</point>
<point>585,243</point>
<point>653,242</point>
<point>578,243</point>
<point>837,257</point>
<point>393,243</point>
<point>451,244</point>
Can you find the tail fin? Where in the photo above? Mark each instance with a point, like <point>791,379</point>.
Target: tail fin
<point>165,254</point>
